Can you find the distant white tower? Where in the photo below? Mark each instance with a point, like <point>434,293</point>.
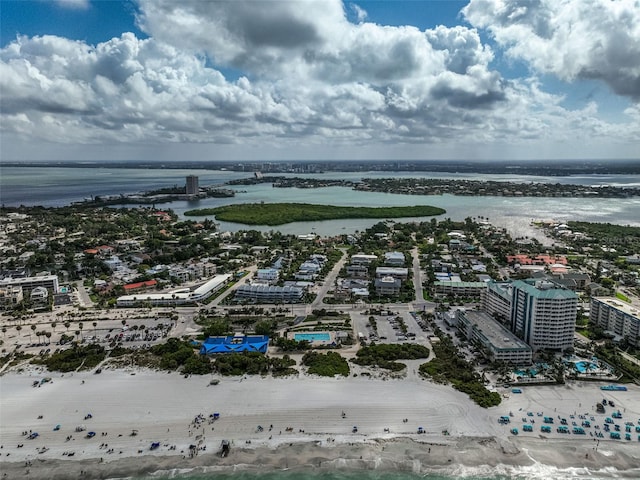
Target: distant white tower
<point>192,185</point>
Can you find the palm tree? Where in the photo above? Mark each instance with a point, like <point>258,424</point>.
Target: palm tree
<point>67,324</point>
<point>4,331</point>
<point>48,335</point>
<point>95,324</point>
<point>33,329</point>
<point>54,325</point>
<point>80,326</point>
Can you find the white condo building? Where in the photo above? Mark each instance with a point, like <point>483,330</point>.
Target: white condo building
<point>617,317</point>
<point>543,315</point>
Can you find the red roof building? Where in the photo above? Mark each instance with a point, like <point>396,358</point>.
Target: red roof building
<point>133,287</point>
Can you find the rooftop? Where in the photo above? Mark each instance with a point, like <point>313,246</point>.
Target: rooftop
<point>544,290</point>
<point>624,307</point>
<point>493,331</point>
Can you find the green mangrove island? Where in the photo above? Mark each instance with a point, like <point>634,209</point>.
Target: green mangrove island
<point>281,213</point>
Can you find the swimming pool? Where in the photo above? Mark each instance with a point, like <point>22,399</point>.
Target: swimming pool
<point>313,337</point>
<point>583,365</point>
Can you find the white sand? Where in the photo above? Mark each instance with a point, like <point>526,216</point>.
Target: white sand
<point>161,407</point>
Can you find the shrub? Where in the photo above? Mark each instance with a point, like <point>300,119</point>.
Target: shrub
<point>327,365</point>
<point>384,355</point>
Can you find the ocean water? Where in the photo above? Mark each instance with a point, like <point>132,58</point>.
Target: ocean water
<point>536,472</point>
<point>310,475</point>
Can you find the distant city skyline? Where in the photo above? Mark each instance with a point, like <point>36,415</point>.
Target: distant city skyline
<point>319,80</point>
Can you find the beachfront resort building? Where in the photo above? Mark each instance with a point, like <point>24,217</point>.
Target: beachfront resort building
<point>543,315</point>
<point>616,317</point>
<point>498,342</point>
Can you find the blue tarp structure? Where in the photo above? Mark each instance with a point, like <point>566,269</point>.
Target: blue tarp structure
<point>237,344</point>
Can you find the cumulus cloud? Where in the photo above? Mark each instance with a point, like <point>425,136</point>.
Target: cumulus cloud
<point>308,78</point>
<point>572,39</point>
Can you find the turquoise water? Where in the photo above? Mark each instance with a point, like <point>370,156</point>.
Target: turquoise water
<point>582,366</point>
<point>313,337</point>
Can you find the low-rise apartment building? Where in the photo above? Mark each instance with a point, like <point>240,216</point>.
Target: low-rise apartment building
<point>616,317</point>
<point>388,286</point>
<point>459,289</point>
<point>50,282</point>
<point>395,272</point>
<point>498,342</point>
<point>269,293</point>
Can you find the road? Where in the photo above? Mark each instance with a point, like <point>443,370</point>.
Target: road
<point>83,296</point>
<point>246,279</point>
<point>420,304</point>
<point>329,281</point>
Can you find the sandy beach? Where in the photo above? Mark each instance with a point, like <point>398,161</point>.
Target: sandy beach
<point>302,426</point>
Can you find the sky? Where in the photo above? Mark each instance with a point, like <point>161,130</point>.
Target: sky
<point>319,80</point>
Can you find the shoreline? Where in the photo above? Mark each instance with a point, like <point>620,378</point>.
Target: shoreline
<point>175,411</point>
<point>460,456</point>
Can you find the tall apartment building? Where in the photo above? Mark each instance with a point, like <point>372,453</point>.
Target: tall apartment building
<point>496,301</point>
<point>616,317</point>
<point>543,315</point>
<point>192,185</point>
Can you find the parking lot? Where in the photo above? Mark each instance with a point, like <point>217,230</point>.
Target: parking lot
<point>391,327</point>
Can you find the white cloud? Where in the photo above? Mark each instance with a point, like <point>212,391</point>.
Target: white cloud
<point>572,39</point>
<point>360,13</point>
<point>73,4</point>
<point>309,80</point>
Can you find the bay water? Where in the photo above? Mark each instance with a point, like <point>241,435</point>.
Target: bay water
<point>57,186</point>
